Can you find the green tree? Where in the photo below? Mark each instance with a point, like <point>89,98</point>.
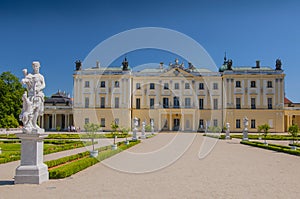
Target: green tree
<point>125,132</point>
<point>91,130</point>
<point>293,131</point>
<point>114,126</point>
<point>265,129</point>
<point>11,92</point>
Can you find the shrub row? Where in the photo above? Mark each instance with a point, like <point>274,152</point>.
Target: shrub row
<point>69,136</point>
<point>269,137</point>
<point>71,168</point>
<point>9,157</point>
<point>64,147</point>
<point>63,160</point>
<point>274,147</point>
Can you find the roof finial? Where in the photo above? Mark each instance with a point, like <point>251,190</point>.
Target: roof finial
<point>225,58</point>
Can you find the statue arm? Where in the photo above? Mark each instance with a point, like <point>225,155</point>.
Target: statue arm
<point>43,85</point>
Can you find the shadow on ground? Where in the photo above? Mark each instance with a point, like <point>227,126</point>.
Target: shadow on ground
<point>6,182</point>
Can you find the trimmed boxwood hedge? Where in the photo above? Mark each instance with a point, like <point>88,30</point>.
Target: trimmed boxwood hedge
<point>63,160</point>
<point>10,154</point>
<point>274,147</point>
<point>68,136</point>
<point>73,167</point>
<point>269,137</point>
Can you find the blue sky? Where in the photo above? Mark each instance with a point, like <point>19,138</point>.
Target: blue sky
<point>57,33</point>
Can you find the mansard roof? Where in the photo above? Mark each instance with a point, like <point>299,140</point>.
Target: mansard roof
<point>60,97</point>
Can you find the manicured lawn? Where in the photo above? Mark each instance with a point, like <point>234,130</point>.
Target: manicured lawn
<point>68,136</point>
<point>273,147</point>
<point>67,166</point>
<point>11,149</point>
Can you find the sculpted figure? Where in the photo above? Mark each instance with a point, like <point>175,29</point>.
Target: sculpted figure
<point>33,104</point>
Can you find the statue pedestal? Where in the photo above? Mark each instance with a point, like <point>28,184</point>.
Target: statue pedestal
<point>245,134</point>
<point>143,136</point>
<point>134,137</point>
<point>32,169</point>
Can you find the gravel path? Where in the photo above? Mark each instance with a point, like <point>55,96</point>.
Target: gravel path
<point>230,170</point>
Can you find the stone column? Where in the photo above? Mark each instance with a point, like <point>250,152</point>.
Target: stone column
<point>53,121</point>
<point>170,122</point>
<point>159,121</point>
<point>182,122</point>
<point>32,169</point>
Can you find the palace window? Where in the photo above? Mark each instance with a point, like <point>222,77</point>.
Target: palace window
<point>117,102</point>
<point>102,122</point>
<point>269,84</point>
<point>187,102</point>
<point>102,102</point>
<point>187,86</point>
<point>238,123</point>
<point>201,86</point>
<point>151,103</point>
<point>253,84</point>
<point>138,103</point>
<point>86,84</point>
<point>86,120</point>
<point>166,86</point>
<point>238,103</point>
<point>117,121</point>
<point>86,102</point>
<point>117,84</point>
<point>138,86</point>
<point>176,102</point>
<point>152,86</point>
<point>238,84</point>
<point>102,84</point>
<point>215,104</point>
<point>253,124</point>
<point>270,103</point>
<point>166,102</point>
<point>215,86</point>
<point>201,124</point>
<point>176,86</point>
<point>215,122</point>
<point>253,104</point>
<point>201,103</point>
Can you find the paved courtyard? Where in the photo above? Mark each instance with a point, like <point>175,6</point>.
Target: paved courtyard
<point>231,170</point>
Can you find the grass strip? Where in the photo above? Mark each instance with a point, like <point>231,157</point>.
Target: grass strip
<point>273,147</point>
<point>73,167</point>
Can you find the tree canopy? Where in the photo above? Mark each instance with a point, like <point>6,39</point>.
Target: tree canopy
<point>11,92</point>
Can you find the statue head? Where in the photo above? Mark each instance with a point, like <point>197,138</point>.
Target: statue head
<point>36,66</point>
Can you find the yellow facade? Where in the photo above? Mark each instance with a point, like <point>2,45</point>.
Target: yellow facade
<point>178,98</point>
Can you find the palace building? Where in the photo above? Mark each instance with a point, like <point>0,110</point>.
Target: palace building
<point>58,113</point>
<point>181,98</point>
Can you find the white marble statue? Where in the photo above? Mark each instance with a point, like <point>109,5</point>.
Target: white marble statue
<point>246,123</point>
<point>33,104</point>
<point>227,131</point>
<point>152,126</point>
<point>245,131</point>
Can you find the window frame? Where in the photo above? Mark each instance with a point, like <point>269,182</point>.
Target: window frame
<point>152,86</point>
<point>102,84</point>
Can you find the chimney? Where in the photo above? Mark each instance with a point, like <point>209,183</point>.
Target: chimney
<point>161,65</point>
<point>257,64</point>
<point>97,64</point>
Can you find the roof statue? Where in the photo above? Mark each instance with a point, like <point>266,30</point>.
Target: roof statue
<point>125,64</point>
<point>177,65</point>
<point>278,64</point>
<point>78,65</point>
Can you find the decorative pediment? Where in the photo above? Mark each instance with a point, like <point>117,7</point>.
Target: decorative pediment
<point>176,72</point>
